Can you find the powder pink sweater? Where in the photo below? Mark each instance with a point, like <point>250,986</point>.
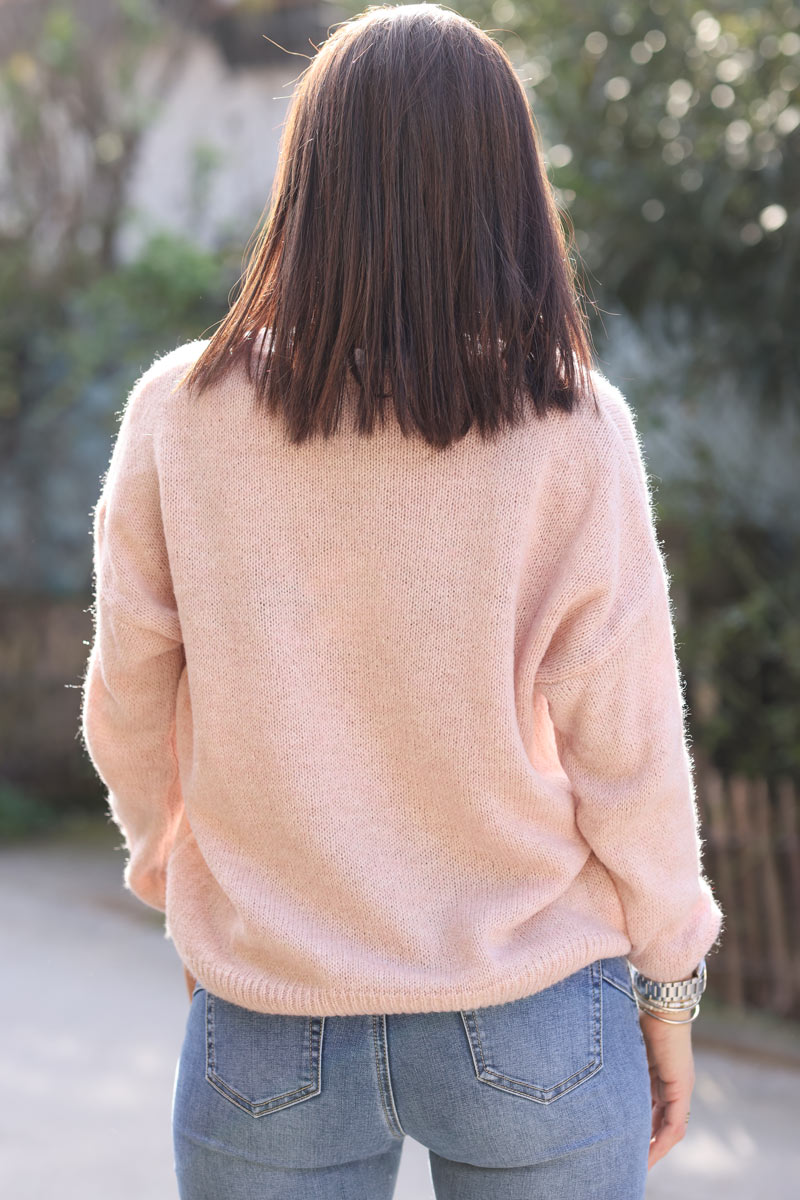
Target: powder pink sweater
<point>388,729</point>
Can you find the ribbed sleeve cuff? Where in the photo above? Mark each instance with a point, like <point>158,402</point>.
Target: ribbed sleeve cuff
<point>676,951</point>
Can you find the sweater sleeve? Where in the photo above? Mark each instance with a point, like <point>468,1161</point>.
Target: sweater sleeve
<point>619,718</point>
<point>137,656</point>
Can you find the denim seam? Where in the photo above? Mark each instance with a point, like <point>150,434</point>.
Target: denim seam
<point>389,1088</point>
<point>384,1080</point>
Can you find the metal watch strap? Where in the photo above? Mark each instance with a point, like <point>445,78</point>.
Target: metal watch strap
<point>678,994</point>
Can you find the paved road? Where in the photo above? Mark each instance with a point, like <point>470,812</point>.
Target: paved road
<point>93,1008</point>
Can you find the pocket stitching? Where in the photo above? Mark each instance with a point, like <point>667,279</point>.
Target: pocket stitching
<point>546,1095</point>
<point>629,993</point>
<point>260,1108</point>
<point>627,990</point>
<point>620,988</point>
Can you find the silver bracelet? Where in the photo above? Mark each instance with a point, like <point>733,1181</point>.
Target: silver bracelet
<point>658,1013</point>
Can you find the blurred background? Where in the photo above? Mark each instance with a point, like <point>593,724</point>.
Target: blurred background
<point>139,141</point>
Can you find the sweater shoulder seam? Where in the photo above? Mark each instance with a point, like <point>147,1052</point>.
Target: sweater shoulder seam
<point>617,643</point>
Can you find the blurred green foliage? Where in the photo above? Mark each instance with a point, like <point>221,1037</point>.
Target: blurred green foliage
<point>672,132</point>
<point>60,334</point>
<point>23,813</point>
<point>739,639</point>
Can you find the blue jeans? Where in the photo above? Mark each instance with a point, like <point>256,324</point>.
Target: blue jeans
<point>539,1097</point>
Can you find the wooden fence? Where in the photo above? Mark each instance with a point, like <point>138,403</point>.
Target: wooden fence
<point>751,830</point>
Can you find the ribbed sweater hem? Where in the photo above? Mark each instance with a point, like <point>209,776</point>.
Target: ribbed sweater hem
<point>302,1000</point>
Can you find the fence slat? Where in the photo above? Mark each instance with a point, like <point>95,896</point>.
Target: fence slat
<point>790,845</point>
<point>752,857</point>
<point>746,888</point>
<point>780,997</point>
<point>711,797</point>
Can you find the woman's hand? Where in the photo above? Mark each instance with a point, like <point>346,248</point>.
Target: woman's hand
<point>672,1076</point>
<point>190,981</point>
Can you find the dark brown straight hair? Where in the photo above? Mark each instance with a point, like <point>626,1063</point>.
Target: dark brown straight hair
<point>412,243</point>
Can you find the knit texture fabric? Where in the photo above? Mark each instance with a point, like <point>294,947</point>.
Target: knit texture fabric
<point>388,729</point>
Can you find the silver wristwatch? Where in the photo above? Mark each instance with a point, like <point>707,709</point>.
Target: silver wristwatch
<point>681,994</point>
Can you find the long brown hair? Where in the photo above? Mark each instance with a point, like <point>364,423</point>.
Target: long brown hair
<point>412,243</point>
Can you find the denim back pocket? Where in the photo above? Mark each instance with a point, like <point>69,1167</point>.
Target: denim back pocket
<point>262,1062</point>
<point>617,972</point>
<point>544,1045</point>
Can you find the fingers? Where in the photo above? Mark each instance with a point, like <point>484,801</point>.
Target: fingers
<point>671,1129</point>
<point>671,1105</point>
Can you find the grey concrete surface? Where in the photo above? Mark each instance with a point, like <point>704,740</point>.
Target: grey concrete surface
<point>93,1007</point>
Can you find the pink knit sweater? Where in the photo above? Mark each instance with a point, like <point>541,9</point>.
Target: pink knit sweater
<point>388,729</point>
